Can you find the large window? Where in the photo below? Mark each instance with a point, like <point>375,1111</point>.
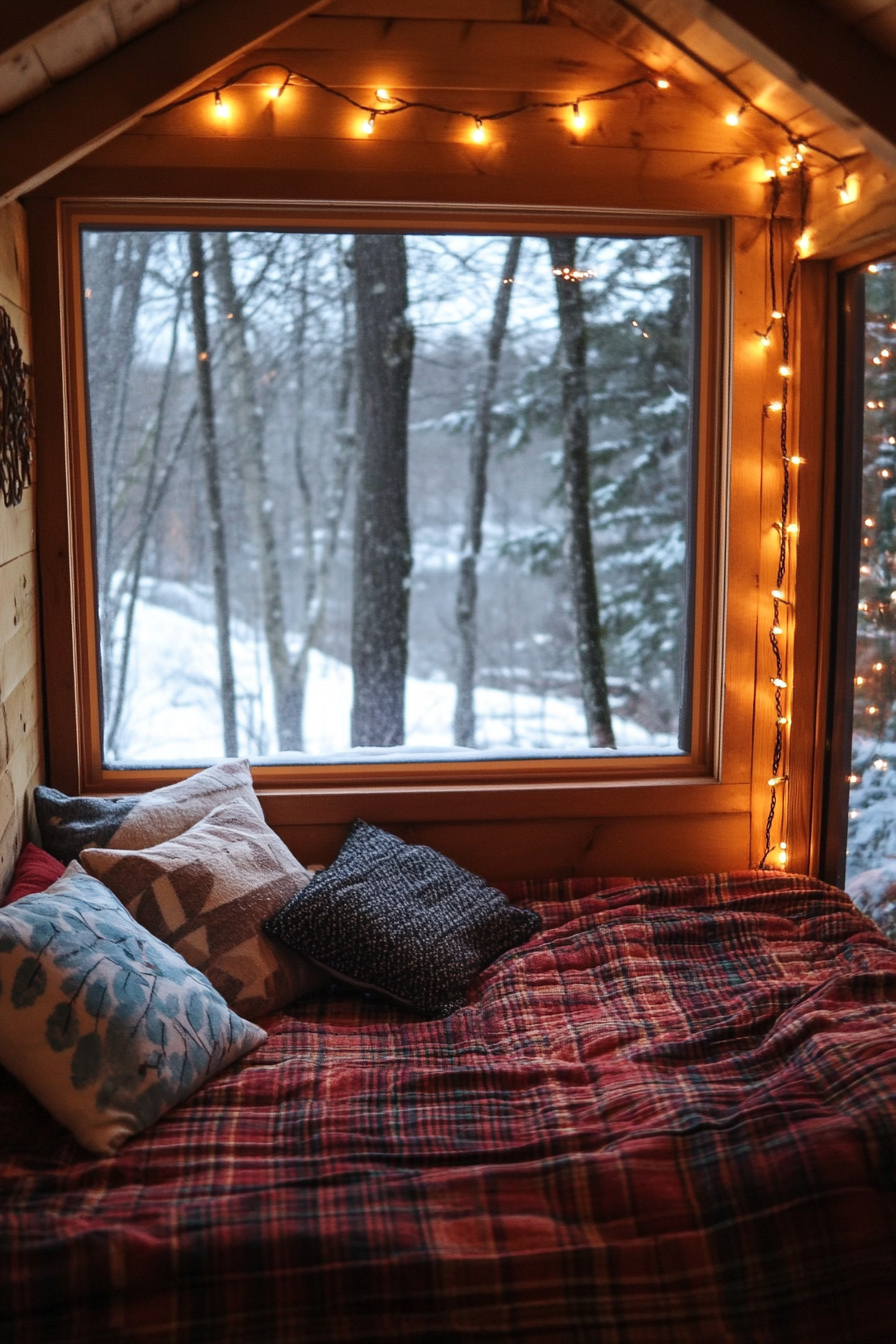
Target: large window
<point>871,831</point>
<point>367,496</point>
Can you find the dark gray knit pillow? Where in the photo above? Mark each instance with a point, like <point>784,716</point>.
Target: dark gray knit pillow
<point>402,920</point>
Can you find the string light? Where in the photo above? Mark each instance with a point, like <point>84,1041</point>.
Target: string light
<point>368,125</point>
<point>478,132</point>
<point>788,162</point>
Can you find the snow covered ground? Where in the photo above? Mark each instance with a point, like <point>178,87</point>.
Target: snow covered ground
<point>172,711</point>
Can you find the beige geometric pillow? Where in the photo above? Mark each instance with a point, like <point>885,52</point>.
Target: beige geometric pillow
<point>206,892</point>
<point>68,825</point>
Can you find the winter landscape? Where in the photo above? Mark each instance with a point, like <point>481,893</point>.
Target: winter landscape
<point>376,496</point>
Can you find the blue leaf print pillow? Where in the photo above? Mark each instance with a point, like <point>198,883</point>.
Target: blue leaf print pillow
<point>106,1025</point>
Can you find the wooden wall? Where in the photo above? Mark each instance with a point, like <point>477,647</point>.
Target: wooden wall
<point>20,699</point>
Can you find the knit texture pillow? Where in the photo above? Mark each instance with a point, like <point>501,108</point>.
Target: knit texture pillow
<point>68,825</point>
<point>206,893</point>
<point>105,1025</point>
<point>403,920</point>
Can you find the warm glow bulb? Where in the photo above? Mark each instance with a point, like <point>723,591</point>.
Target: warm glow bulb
<point>765,340</point>
<point>785,370</point>
<point>779,595</point>
<point>275,90</point>
<point>478,132</point>
<point>796,460</point>
<point>367,126</point>
<point>776,406</point>
<point>776,316</point>
<point>578,119</point>
<point>382,96</point>
<point>221,108</point>
<point>872,269</point>
<point>732,118</point>
<point>662,84</point>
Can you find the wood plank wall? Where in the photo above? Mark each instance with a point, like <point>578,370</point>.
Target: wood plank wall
<point>21,734</point>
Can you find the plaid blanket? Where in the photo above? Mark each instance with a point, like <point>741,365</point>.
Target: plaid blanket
<point>670,1117</point>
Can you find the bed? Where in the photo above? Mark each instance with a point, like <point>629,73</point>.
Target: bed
<point>670,1116</point>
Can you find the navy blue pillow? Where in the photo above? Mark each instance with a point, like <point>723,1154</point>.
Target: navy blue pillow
<point>402,920</point>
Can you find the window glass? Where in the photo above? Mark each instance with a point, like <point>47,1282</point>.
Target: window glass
<point>871,844</point>
<point>380,496</point>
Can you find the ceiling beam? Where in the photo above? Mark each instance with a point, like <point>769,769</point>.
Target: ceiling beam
<point>74,117</point>
<point>18,22</point>
<point>817,55</point>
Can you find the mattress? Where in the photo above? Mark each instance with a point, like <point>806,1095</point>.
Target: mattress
<point>671,1116</point>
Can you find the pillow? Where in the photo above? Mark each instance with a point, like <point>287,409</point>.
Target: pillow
<point>206,892</point>
<point>68,825</point>
<point>403,920</point>
<point>35,870</point>
<point>107,1026</point>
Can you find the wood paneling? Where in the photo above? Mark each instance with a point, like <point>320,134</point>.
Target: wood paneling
<point>21,731</point>
<point>61,124</point>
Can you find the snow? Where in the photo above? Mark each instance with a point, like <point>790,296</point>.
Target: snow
<point>173,714</point>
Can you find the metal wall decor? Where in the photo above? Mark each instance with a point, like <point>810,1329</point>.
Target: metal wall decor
<point>16,421</point>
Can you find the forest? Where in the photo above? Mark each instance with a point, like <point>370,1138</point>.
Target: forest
<point>376,495</point>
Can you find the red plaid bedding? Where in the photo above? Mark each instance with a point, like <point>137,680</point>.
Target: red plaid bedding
<point>670,1117</point>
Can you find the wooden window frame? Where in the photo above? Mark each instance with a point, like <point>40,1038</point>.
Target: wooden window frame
<point>718,784</point>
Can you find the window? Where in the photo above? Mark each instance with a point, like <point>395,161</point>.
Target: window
<point>871,820</point>
<point>366,496</point>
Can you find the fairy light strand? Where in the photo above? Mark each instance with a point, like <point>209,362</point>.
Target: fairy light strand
<point>784,527</point>
<point>392,105</point>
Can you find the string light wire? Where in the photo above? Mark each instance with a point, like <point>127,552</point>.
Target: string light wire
<point>782,294</point>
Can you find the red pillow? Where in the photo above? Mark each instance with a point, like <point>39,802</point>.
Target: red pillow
<point>35,870</point>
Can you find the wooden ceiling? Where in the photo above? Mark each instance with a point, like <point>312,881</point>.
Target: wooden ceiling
<point>483,55</point>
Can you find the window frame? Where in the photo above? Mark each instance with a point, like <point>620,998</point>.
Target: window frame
<point>73,706</point>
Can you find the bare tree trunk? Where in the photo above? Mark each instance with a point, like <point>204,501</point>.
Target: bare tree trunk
<point>211,460</point>
<point>382,554</point>
<point>480,444</point>
<point>577,494</point>
<point>114,304</point>
<point>146,514</point>
<point>320,559</point>
<point>153,496</point>
<point>250,426</point>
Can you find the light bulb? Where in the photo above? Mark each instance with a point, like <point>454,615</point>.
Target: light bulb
<point>782,722</point>
<point>779,595</point>
<point>578,119</point>
<point>872,269</point>
<point>776,780</point>
<point>796,460</point>
<point>777,630</point>
<point>776,316</point>
<point>367,126</point>
<point>382,96</point>
<point>663,84</point>
<point>776,406</point>
<point>779,682</point>
<point>478,132</point>
<point>785,370</point>
<point>275,90</point>
<point>793,528</point>
<point>221,108</point>
<point>732,118</point>
<point>765,340</point>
